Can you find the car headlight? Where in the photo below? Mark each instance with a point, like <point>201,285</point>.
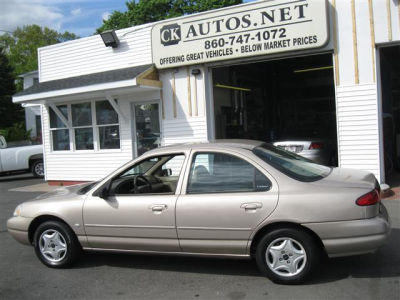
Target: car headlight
<point>17,211</point>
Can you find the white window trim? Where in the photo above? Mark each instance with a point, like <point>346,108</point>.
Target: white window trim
<point>94,126</point>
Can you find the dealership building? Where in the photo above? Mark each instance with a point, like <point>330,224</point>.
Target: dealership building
<point>265,70</point>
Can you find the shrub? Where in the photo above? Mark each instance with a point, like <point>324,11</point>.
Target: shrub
<point>16,133</point>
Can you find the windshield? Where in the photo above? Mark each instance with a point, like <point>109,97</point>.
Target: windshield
<point>293,165</point>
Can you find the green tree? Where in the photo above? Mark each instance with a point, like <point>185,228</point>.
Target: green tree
<point>147,11</point>
<point>10,113</point>
<point>21,46</point>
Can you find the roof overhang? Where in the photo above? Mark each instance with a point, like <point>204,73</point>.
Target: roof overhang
<point>146,79</point>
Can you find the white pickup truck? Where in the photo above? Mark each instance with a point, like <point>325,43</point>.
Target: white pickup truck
<point>22,158</point>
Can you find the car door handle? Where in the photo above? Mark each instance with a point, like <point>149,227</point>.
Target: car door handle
<point>251,206</point>
<point>158,207</point>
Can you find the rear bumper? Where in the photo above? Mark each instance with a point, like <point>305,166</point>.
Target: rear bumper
<point>353,237</point>
<point>18,228</point>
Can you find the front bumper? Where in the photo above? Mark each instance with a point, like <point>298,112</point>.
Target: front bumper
<point>18,228</point>
<point>354,237</point>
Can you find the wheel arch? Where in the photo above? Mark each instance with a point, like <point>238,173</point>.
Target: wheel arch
<point>277,225</point>
<point>40,220</point>
<point>34,158</point>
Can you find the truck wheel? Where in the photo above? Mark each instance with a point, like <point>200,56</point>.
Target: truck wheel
<point>38,168</point>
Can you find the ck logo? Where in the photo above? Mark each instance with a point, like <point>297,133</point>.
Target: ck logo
<point>170,34</point>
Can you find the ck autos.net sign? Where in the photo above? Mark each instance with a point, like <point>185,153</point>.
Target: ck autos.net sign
<point>248,30</point>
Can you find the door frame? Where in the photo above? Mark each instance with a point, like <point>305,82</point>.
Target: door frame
<point>133,122</point>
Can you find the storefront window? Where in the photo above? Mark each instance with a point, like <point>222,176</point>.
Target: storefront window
<point>109,137</point>
<point>105,113</point>
<point>84,139</point>
<point>107,124</point>
<point>58,131</point>
<point>55,121</point>
<point>81,114</point>
<point>86,119</point>
<point>60,139</point>
<point>83,127</point>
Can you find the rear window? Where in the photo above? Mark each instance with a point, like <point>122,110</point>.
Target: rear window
<point>290,164</point>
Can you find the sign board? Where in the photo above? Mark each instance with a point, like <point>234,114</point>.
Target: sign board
<point>252,29</point>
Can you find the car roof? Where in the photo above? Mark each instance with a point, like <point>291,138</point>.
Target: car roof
<point>217,144</point>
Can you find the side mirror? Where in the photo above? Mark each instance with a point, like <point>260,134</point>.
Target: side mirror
<point>3,143</point>
<point>104,191</point>
<point>166,172</point>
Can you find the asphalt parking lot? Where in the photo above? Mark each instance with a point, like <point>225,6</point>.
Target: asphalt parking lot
<point>111,276</point>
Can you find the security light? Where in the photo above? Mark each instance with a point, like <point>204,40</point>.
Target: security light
<point>196,71</point>
<point>110,39</point>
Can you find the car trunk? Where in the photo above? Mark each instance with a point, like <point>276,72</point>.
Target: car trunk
<point>354,179</point>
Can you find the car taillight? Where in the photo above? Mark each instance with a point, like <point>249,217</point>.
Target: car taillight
<point>316,146</point>
<point>370,198</point>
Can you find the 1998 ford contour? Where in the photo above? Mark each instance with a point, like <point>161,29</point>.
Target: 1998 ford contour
<point>232,198</point>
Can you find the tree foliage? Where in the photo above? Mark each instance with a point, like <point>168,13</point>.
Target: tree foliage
<point>21,46</point>
<point>147,11</point>
<point>10,113</point>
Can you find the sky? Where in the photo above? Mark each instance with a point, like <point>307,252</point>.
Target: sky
<point>81,17</point>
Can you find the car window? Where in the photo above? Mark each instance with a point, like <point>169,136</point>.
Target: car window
<point>291,164</point>
<point>154,175</point>
<point>224,173</point>
<point>173,166</point>
<point>142,167</point>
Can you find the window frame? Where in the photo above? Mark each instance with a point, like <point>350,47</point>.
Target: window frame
<point>51,130</point>
<point>94,126</point>
<point>239,155</point>
<point>181,175</point>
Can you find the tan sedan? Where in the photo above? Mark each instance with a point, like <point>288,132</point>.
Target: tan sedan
<point>225,198</point>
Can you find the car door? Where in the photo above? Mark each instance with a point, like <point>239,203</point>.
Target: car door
<point>133,220</point>
<point>225,196</point>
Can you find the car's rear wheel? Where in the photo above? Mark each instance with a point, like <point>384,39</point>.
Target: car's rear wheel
<point>55,244</point>
<point>287,255</point>
<point>37,168</point>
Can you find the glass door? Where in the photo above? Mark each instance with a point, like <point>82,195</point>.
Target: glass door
<point>147,127</point>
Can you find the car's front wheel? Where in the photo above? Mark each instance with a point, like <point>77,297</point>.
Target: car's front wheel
<point>287,255</point>
<point>55,244</point>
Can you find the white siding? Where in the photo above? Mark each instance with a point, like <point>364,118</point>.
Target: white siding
<point>86,165</point>
<point>358,134</point>
<point>184,130</point>
<point>357,104</point>
<point>184,127</point>
<point>345,42</point>
<point>89,55</point>
<point>365,49</point>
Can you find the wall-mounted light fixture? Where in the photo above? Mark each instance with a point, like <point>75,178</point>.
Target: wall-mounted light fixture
<point>196,71</point>
<point>110,38</point>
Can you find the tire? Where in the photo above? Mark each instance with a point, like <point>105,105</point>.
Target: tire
<point>37,168</point>
<point>294,253</point>
<point>56,245</point>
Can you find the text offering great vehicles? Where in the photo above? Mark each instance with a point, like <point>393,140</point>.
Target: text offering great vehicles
<point>256,29</point>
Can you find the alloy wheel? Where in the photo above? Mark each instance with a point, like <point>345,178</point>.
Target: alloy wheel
<point>286,257</point>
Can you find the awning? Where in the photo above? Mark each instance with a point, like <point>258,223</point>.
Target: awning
<point>145,76</point>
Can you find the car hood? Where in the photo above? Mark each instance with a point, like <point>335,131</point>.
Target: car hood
<point>62,192</point>
<point>349,178</point>
<point>55,203</point>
